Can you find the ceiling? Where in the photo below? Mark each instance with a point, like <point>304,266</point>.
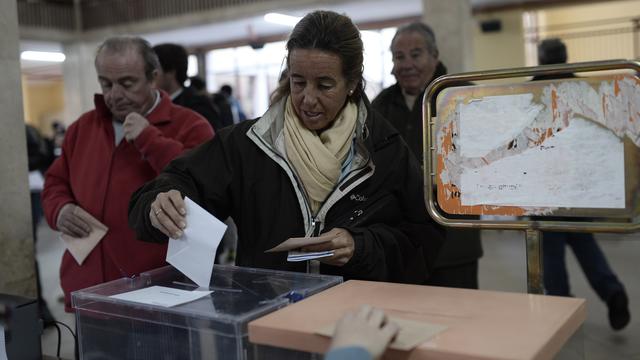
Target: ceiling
<point>212,35</point>
<point>256,27</point>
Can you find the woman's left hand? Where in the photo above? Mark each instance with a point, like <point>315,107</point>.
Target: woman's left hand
<point>341,243</point>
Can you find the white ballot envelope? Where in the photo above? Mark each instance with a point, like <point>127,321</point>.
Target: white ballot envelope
<point>194,252</point>
<point>298,242</point>
<point>81,247</point>
<point>161,295</point>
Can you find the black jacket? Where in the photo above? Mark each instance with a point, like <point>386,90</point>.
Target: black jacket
<point>243,173</point>
<point>462,245</point>
<point>200,104</point>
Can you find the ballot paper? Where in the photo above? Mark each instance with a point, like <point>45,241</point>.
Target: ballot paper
<point>294,256</point>
<point>411,334</point>
<point>161,295</point>
<point>80,248</point>
<point>194,252</point>
<point>299,242</point>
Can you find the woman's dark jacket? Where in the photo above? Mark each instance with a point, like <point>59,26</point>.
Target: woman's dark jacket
<point>243,173</point>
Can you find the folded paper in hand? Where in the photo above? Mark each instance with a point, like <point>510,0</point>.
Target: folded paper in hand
<point>295,256</point>
<point>193,254</point>
<point>80,248</point>
<point>411,334</point>
<point>298,242</point>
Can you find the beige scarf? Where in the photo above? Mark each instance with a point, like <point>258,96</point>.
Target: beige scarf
<point>318,159</point>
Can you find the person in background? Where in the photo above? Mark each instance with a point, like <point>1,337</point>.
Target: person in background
<point>361,335</point>
<point>54,143</point>
<point>415,65</point>
<point>552,51</point>
<point>218,99</point>
<point>226,112</point>
<point>198,85</point>
<point>109,152</point>
<point>172,76</point>
<point>236,109</point>
<point>319,163</point>
<point>584,246</point>
<point>38,154</point>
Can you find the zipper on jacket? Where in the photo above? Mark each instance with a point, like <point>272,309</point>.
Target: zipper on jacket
<point>354,178</point>
<point>298,188</point>
<point>316,227</point>
<point>313,266</point>
<point>315,221</point>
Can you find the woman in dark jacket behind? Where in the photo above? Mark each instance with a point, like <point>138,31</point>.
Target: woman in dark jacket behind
<point>318,163</point>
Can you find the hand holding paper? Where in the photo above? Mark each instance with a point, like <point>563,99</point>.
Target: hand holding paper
<point>167,213</point>
<point>411,333</point>
<point>194,252</point>
<point>80,247</point>
<point>335,247</point>
<point>367,328</point>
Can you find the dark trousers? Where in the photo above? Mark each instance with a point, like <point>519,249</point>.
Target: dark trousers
<point>36,215</point>
<point>464,276</point>
<point>590,257</point>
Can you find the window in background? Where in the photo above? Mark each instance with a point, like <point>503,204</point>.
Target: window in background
<point>192,66</point>
<point>254,73</point>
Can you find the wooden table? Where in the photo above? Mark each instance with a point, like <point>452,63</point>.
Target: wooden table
<point>480,324</point>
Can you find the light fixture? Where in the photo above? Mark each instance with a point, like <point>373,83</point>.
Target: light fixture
<point>281,19</point>
<point>42,56</point>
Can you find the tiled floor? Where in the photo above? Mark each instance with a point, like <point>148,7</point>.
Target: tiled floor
<point>502,268</point>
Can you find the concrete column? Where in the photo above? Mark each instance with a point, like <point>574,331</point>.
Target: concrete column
<point>17,269</point>
<point>452,22</point>
<point>80,79</point>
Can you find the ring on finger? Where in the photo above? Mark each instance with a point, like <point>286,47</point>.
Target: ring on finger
<point>158,211</point>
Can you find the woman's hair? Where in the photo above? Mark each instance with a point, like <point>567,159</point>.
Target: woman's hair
<point>331,32</point>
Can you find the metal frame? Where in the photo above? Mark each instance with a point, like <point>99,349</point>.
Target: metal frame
<point>532,228</point>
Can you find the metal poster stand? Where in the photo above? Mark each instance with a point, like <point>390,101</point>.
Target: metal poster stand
<point>604,219</point>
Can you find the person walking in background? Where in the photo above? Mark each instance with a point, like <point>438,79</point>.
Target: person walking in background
<point>236,109</point>
<point>172,76</point>
<point>218,99</point>
<point>584,246</point>
<point>226,112</point>
<point>319,163</point>
<point>198,86</point>
<point>109,152</point>
<point>415,65</point>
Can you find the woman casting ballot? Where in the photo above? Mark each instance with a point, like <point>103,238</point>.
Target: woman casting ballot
<point>318,163</point>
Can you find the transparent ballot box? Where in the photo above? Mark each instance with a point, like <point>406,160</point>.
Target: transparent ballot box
<point>212,327</point>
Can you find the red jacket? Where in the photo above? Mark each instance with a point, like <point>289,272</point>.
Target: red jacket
<point>100,177</point>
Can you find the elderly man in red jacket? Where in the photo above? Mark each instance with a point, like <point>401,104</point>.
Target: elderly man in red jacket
<point>133,132</point>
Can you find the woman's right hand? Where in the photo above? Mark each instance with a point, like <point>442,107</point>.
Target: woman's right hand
<point>167,213</point>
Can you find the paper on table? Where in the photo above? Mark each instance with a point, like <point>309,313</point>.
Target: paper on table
<point>80,248</point>
<point>411,334</point>
<point>161,295</point>
<point>193,254</point>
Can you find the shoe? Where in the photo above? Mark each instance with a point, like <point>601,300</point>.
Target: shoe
<point>619,315</point>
